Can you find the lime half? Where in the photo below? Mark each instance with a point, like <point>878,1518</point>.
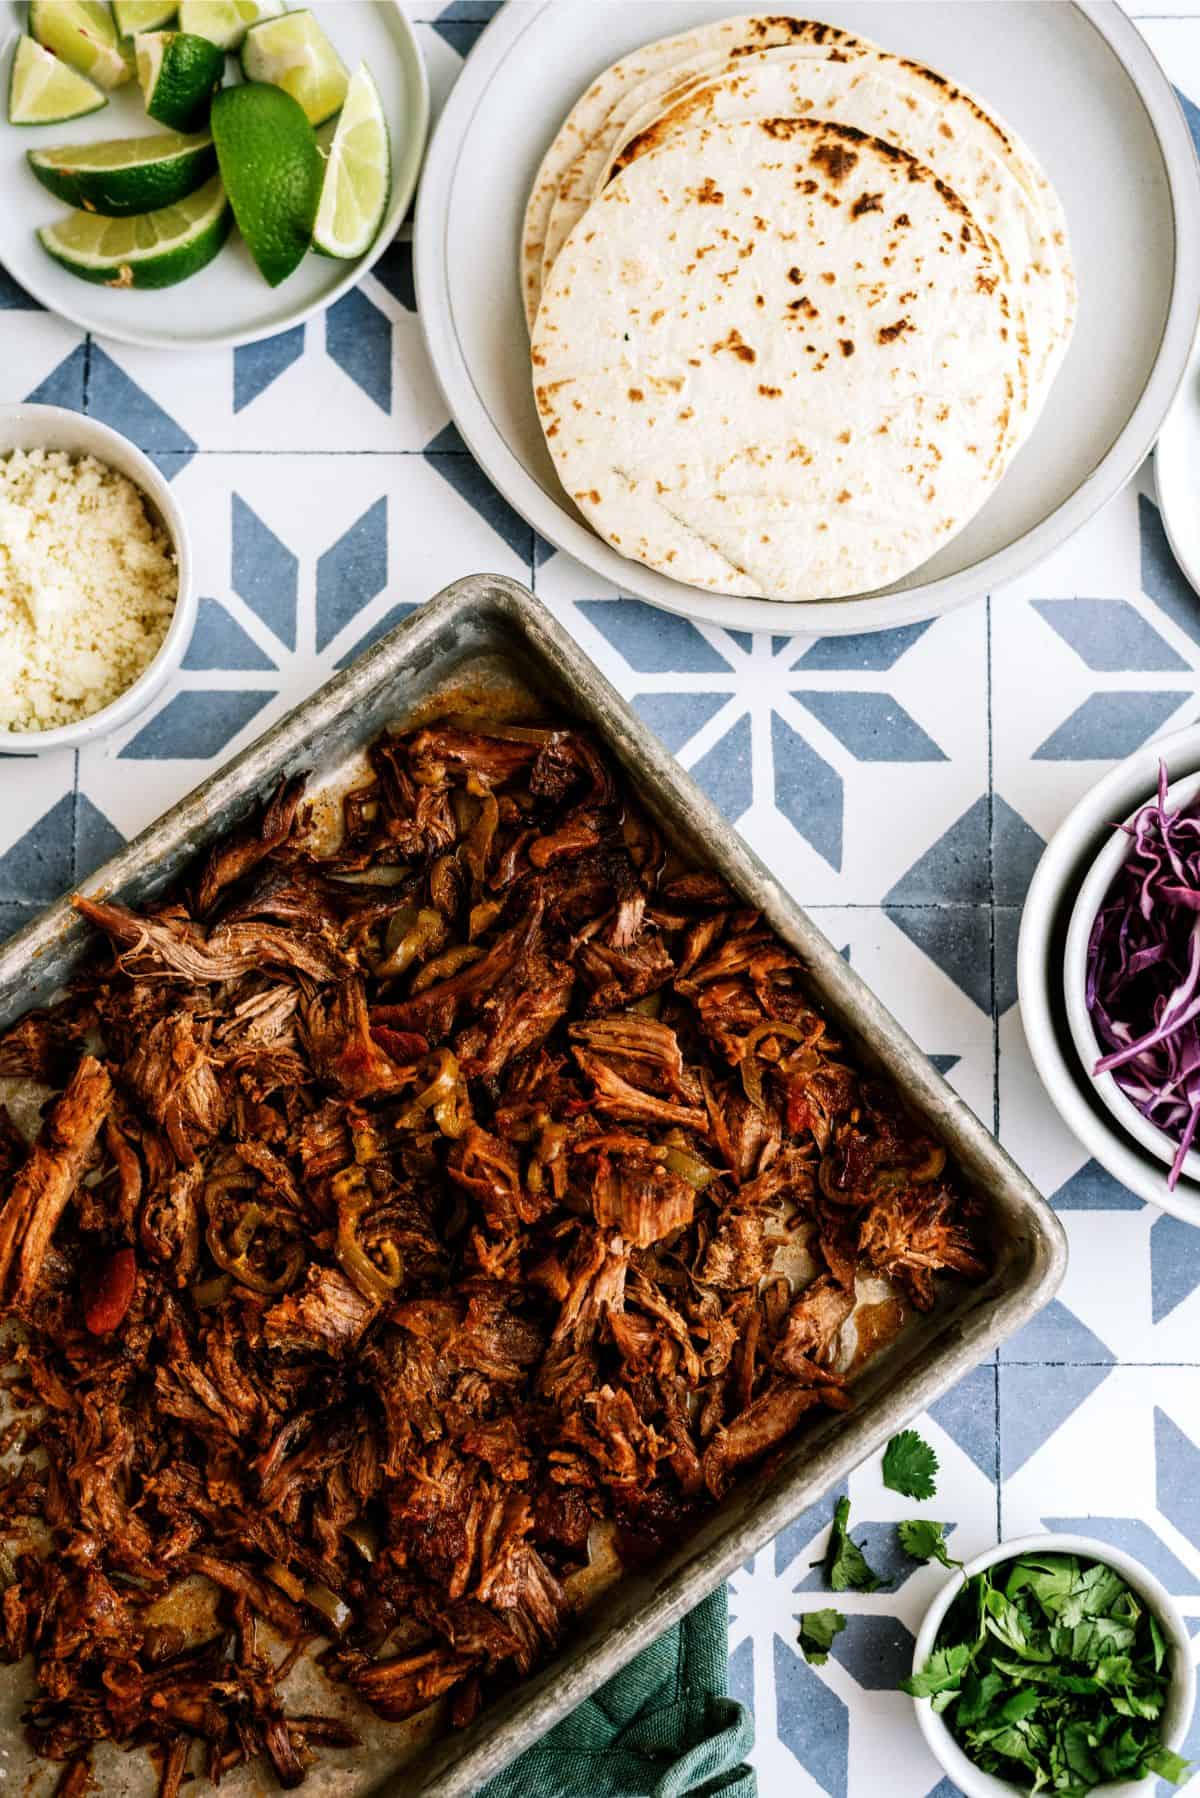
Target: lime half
<point>127,174</point>
<point>358,174</point>
<point>155,249</point>
<point>225,22</point>
<point>271,168</point>
<point>293,53</point>
<point>44,91</point>
<point>83,34</point>
<point>179,74</point>
<point>142,15</point>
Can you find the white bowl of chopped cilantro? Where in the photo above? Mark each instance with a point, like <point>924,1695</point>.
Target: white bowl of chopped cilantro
<point>1057,1664</point>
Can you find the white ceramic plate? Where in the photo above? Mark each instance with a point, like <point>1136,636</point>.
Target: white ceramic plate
<point>1076,81</point>
<point>1041,956</point>
<point>1177,475</point>
<point>228,302</point>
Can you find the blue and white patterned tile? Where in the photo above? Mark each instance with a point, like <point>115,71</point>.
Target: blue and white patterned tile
<point>1093,654</point>
<point>1133,1274</point>
<point>37,825</point>
<point>354,379</point>
<point>1122,1463</point>
<point>44,359</point>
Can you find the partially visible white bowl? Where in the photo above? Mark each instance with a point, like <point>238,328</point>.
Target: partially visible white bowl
<point>1041,957</point>
<point>1090,898</point>
<point>31,427</point>
<point>1181,1697</point>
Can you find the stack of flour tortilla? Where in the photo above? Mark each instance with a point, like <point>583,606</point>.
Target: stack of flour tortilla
<point>794,304</point>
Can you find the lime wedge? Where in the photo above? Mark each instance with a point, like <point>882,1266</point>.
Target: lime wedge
<point>83,34</point>
<point>271,167</point>
<point>44,91</point>
<point>225,22</point>
<point>155,249</point>
<point>293,53</point>
<point>142,15</point>
<point>358,174</point>
<point>179,73</point>
<point>128,174</point>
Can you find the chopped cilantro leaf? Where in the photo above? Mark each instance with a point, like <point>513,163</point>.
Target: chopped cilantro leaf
<point>909,1466</point>
<point>1050,1665</point>
<point>943,1670</point>
<point>817,1630</point>
<point>1168,1766</point>
<point>925,1540</point>
<point>845,1564</point>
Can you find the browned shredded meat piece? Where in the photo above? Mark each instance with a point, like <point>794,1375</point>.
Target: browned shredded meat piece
<point>327,1313</point>
<point>43,1187</point>
<point>403,1211</point>
<point>811,1328</point>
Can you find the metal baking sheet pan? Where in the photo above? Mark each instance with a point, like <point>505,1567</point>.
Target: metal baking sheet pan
<point>487,644</point>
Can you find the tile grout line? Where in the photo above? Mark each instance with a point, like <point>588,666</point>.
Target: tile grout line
<point>995,1020</point>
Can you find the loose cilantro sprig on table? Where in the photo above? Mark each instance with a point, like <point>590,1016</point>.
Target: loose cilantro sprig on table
<point>910,1466</point>
<point>845,1563</point>
<point>817,1630</point>
<point>1052,1672</point>
<point>925,1540</point>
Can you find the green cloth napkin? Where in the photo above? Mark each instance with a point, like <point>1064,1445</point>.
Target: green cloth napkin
<point>664,1727</point>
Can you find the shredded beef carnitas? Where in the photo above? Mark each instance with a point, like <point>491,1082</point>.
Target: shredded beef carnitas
<point>400,1214</point>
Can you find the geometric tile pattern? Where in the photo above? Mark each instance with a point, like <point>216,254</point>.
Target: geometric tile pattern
<point>901,783</point>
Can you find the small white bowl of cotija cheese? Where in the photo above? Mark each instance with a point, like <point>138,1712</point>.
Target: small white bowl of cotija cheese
<point>96,596</point>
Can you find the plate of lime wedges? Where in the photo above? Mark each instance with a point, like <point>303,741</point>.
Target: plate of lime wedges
<point>197,173</point>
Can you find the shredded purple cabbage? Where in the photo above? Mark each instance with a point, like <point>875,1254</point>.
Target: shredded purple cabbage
<point>1143,971</point>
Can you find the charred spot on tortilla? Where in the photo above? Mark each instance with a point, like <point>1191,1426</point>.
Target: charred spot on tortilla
<point>837,161</point>
<point>737,345</point>
<point>866,203</point>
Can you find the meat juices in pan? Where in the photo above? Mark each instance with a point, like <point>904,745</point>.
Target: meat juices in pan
<point>404,1211</point>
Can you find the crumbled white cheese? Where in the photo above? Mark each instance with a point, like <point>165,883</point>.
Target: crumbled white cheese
<point>88,585</point>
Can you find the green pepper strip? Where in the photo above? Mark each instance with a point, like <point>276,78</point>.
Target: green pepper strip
<point>444,1097</point>
<point>423,930</point>
<point>372,1280</point>
<point>232,1256</point>
<point>211,1292</point>
<point>697,1173</point>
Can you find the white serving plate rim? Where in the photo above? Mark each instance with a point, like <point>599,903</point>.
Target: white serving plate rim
<point>546,511</point>
<point>1175,478</point>
<point>406,166</point>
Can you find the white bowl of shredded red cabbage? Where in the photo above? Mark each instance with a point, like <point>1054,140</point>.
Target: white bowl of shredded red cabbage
<point>1133,975</point>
